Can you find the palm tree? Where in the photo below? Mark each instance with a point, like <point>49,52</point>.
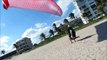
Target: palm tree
<point>3,51</point>
<point>43,36</point>
<point>62,28</point>
<point>56,29</point>
<point>51,32</point>
<point>66,21</point>
<point>100,8</point>
<point>54,25</point>
<point>71,15</point>
<point>85,15</point>
<point>15,46</point>
<point>35,44</point>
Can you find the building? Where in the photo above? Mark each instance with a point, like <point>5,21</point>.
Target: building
<point>23,45</point>
<point>86,6</point>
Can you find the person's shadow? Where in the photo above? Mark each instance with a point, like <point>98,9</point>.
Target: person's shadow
<point>102,31</point>
<point>86,37</point>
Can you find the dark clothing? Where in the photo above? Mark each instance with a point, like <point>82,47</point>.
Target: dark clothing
<point>71,31</point>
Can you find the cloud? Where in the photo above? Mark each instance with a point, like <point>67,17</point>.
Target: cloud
<point>4,46</point>
<point>34,32</point>
<point>39,25</point>
<point>58,22</point>
<point>3,43</point>
<point>64,5</point>
<point>76,12</point>
<point>10,48</point>
<point>4,39</point>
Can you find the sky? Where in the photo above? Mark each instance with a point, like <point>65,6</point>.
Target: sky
<point>16,23</point>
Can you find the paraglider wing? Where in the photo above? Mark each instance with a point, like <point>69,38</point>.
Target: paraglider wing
<point>41,5</point>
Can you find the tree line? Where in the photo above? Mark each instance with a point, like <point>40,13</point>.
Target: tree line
<point>59,30</point>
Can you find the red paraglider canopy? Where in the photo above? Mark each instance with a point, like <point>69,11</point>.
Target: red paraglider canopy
<point>5,4</point>
<point>41,5</point>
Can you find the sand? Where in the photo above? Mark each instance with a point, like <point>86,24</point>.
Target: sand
<point>91,45</point>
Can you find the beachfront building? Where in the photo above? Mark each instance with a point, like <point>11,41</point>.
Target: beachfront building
<point>23,45</point>
<point>87,7</point>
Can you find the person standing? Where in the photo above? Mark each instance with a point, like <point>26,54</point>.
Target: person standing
<point>70,30</point>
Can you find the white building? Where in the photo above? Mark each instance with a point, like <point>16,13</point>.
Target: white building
<point>86,6</point>
<point>23,45</point>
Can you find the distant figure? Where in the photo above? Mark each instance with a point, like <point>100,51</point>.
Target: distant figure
<point>70,30</point>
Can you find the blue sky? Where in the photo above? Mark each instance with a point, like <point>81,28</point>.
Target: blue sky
<point>16,23</point>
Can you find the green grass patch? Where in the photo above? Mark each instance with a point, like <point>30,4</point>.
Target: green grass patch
<point>48,40</point>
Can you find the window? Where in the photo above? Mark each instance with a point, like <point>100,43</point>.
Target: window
<point>90,16</point>
<point>93,7</point>
<point>81,0</point>
<point>91,3</point>
<point>84,6</point>
<point>87,9</point>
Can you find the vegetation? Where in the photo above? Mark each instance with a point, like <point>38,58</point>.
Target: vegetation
<point>54,26</point>
<point>3,51</point>
<point>81,26</point>
<point>15,46</point>
<point>43,36</point>
<point>66,21</point>
<point>50,39</point>
<point>57,29</point>
<point>71,15</point>
<point>100,5</point>
<point>85,14</point>
<point>51,32</point>
<point>100,8</point>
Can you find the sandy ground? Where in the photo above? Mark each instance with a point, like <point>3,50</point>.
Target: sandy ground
<point>91,45</point>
